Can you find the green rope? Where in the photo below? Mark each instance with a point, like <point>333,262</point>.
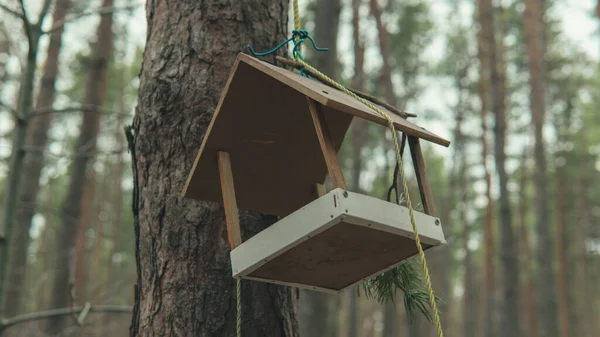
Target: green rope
<point>298,36</point>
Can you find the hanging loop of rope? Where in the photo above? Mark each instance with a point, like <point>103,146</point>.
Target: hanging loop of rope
<point>298,36</point>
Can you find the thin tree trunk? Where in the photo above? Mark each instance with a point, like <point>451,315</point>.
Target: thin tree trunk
<point>117,193</point>
<point>184,284</point>
<point>546,288</point>
<point>37,136</point>
<point>83,224</point>
<point>526,253</point>
<point>318,312</point>
<point>561,248</point>
<point>483,37</point>
<point>384,50</point>
<point>16,163</point>
<point>327,22</point>
<point>510,323</point>
<point>95,95</point>
<point>359,133</point>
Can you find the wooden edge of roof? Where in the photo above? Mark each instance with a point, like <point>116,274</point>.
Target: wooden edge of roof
<point>400,123</point>
<point>209,128</point>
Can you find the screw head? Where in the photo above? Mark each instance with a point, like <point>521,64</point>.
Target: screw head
<point>437,222</point>
<point>345,194</point>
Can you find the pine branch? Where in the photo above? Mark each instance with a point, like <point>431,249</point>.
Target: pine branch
<point>77,108</point>
<point>61,312</point>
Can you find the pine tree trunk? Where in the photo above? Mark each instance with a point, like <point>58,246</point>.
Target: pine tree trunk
<point>16,163</point>
<point>80,283</point>
<point>562,248</point>
<point>510,322</point>
<point>184,282</point>
<point>85,148</point>
<point>384,50</point>
<point>530,328</point>
<point>326,34</point>
<point>37,137</point>
<point>483,37</point>
<point>359,133</point>
<point>318,312</point>
<point>546,287</point>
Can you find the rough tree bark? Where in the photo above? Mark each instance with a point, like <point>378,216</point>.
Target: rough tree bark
<point>510,322</point>
<point>37,137</point>
<point>535,45</point>
<point>318,312</point>
<point>484,96</point>
<point>184,282</point>
<point>95,95</point>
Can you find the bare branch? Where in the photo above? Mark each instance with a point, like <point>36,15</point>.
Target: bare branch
<point>12,12</point>
<point>26,23</point>
<point>101,10</point>
<point>36,316</point>
<point>43,12</point>
<point>78,108</point>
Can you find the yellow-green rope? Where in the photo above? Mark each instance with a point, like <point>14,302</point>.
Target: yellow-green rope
<point>402,178</point>
<point>298,57</point>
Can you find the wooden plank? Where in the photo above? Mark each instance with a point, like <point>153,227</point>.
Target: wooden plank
<point>184,192</point>
<point>339,100</point>
<point>321,191</point>
<point>422,179</point>
<point>326,142</point>
<point>232,217</point>
<point>269,134</point>
<point>317,245</point>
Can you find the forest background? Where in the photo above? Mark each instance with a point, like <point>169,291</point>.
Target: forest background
<point>513,84</point>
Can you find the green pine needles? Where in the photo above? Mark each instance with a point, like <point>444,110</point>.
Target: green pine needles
<point>407,279</point>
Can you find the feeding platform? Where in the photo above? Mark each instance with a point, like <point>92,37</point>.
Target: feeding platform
<point>271,143</point>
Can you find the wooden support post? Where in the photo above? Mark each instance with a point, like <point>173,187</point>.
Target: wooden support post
<point>321,191</point>
<point>232,217</point>
<point>422,179</point>
<point>326,142</point>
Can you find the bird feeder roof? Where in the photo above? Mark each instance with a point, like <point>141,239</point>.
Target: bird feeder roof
<point>263,122</point>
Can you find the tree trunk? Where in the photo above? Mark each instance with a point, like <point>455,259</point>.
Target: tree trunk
<point>326,33</point>
<point>80,285</point>
<point>359,133</point>
<point>510,323</point>
<point>16,164</point>
<point>184,282</point>
<point>318,312</point>
<point>37,137</point>
<point>561,247</point>
<point>534,39</point>
<point>95,95</point>
<point>384,49</point>
<point>117,193</point>
<point>526,253</point>
<point>483,38</point>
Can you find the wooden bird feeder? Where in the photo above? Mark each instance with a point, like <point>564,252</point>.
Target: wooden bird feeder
<point>275,137</point>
